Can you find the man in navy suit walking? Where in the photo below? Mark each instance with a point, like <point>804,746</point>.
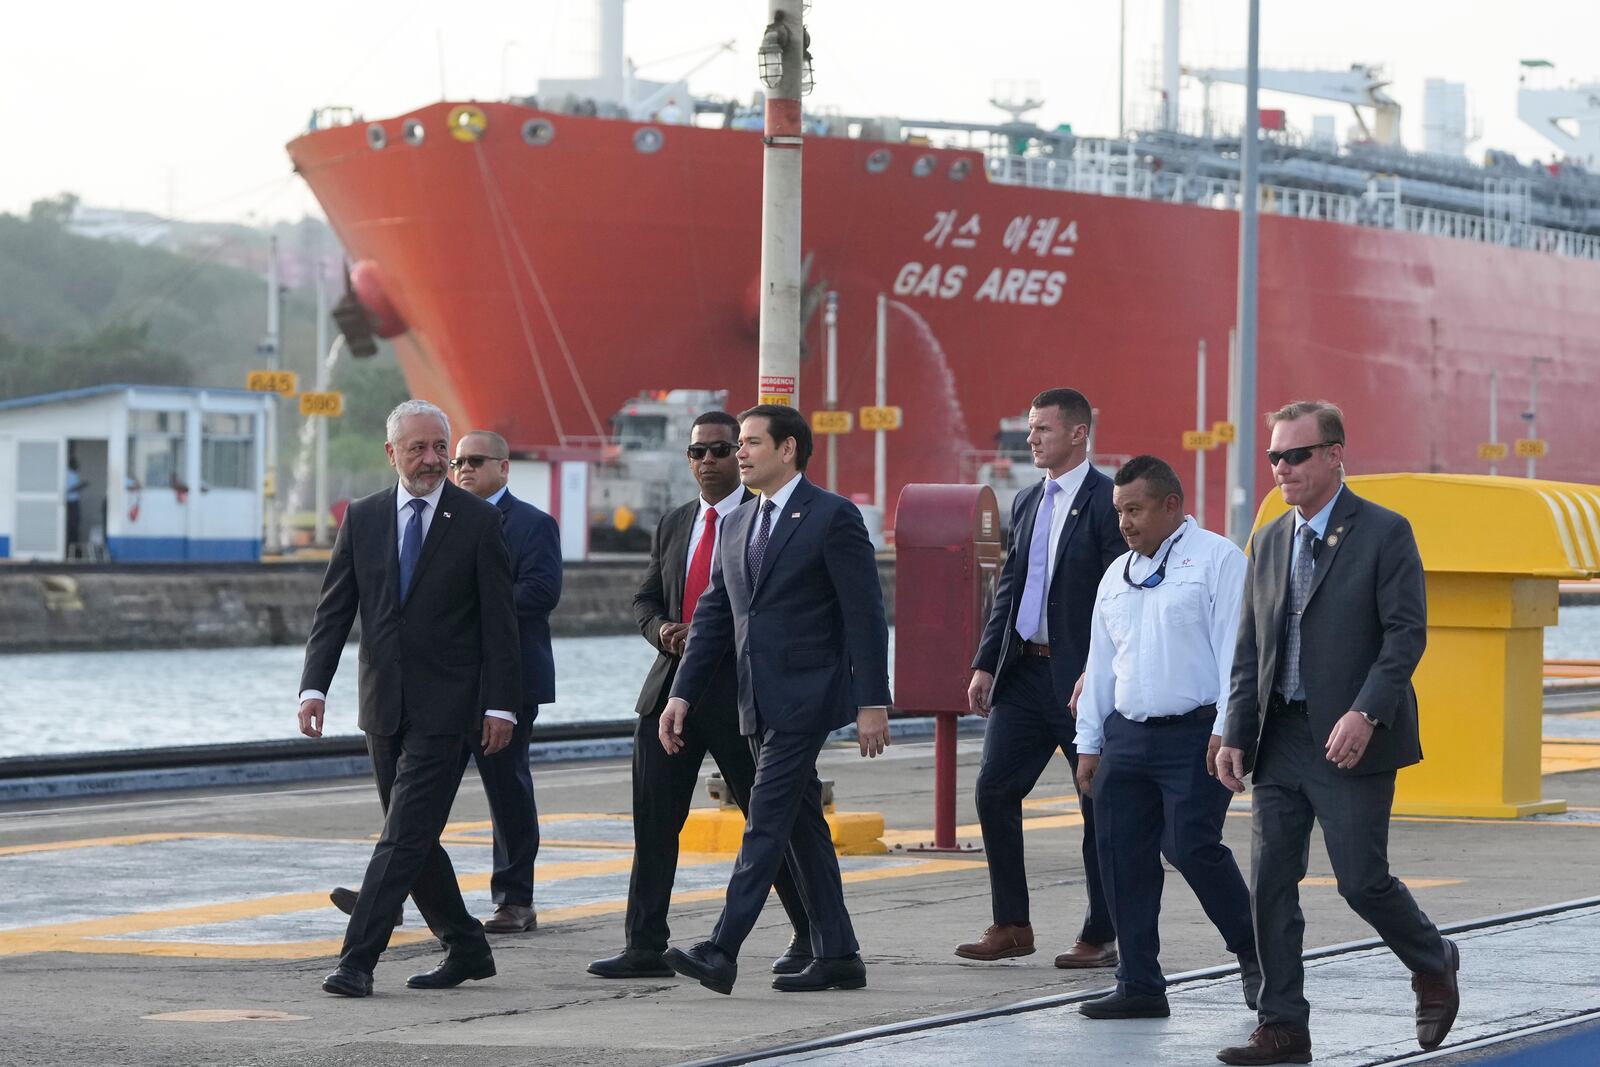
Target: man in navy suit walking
<point>482,465</point>
<point>1064,535</point>
<point>794,594</point>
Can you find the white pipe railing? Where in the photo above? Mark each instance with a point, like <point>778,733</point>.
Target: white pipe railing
<point>1099,167</point>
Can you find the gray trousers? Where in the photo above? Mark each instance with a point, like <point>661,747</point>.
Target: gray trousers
<point>1293,784</point>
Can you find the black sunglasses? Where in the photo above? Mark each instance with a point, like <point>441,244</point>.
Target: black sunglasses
<point>472,461</point>
<point>1153,580</point>
<point>719,449</point>
<point>1296,456</point>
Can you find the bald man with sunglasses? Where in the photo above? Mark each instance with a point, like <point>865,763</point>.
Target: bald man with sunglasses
<point>1321,714</point>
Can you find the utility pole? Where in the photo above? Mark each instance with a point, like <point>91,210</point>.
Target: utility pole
<point>830,319</point>
<point>1242,506</point>
<point>274,542</point>
<point>880,447</point>
<point>782,64</point>
<point>1122,63</point>
<point>1200,424</point>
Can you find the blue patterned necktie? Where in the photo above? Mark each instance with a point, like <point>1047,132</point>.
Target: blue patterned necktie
<point>1299,593</point>
<point>1031,609</point>
<point>411,547</point>
<point>758,544</point>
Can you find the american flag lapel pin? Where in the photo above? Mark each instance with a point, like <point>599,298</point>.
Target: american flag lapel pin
<point>794,514</point>
<point>446,514</point>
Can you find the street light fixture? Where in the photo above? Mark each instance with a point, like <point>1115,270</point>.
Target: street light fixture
<point>769,57</point>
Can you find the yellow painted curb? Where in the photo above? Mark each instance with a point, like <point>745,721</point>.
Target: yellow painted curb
<point>855,833</point>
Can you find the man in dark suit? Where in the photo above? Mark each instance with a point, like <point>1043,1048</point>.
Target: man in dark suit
<point>1064,535</point>
<point>794,595</point>
<point>681,552</point>
<point>1323,714</point>
<point>482,465</point>
<point>425,566</point>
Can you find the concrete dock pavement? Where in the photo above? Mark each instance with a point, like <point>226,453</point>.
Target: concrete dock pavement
<point>193,928</point>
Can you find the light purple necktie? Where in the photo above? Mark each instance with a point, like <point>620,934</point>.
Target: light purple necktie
<point>1031,609</point>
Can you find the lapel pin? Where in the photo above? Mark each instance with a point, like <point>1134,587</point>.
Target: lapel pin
<point>1074,511</point>
<point>446,514</point>
<point>1333,539</point>
<point>794,514</point>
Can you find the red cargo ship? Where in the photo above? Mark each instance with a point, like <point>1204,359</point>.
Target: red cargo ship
<point>546,266</point>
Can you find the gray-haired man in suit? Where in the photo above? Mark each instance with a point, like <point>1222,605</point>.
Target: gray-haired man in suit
<point>1322,712</point>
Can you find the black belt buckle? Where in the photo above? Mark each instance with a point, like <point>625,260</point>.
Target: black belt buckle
<point>1283,703</point>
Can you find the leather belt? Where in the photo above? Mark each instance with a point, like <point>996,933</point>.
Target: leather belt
<point>1205,711</point>
<point>1031,649</point>
<point>1283,703</point>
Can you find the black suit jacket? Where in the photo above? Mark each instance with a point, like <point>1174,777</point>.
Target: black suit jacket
<point>1361,636</point>
<point>1089,542</point>
<point>534,541</point>
<point>449,651</point>
<point>809,634</point>
<point>660,600</point>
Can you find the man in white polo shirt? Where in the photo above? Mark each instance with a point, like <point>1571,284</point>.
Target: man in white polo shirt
<point>1150,720</point>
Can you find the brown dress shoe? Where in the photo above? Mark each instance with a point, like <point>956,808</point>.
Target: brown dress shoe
<point>511,919</point>
<point>1438,999</point>
<point>1082,954</point>
<point>1272,1043</point>
<point>1001,941</point>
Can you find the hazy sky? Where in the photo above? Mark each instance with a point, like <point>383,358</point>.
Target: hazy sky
<point>180,106</point>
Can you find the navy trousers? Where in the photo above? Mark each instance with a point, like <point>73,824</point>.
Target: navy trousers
<point>786,823</point>
<point>1029,723</point>
<point>1153,798</point>
<point>508,784</point>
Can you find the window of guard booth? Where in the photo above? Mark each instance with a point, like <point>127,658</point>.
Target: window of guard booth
<point>227,451</point>
<point>155,448</point>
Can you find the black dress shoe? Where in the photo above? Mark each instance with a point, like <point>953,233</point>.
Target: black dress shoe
<point>345,900</point>
<point>633,963</point>
<point>348,982</point>
<point>706,963</point>
<point>452,972</point>
<point>844,972</point>
<point>1120,1005</point>
<point>796,958</point>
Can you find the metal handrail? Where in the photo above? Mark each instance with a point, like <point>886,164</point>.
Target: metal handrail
<point>1098,168</point>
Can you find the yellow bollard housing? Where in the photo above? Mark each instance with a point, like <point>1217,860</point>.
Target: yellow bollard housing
<point>1494,551</point>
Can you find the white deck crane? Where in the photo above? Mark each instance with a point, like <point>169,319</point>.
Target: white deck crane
<point>1361,86</point>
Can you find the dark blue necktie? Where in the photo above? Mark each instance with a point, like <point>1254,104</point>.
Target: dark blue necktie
<point>411,547</point>
<point>758,544</point>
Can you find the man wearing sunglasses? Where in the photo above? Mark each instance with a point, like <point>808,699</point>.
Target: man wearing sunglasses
<point>482,466</point>
<point>1032,654</point>
<point>1322,714</point>
<point>681,554</point>
<point>1150,722</point>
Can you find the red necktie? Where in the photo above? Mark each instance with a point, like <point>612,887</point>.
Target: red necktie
<point>700,566</point>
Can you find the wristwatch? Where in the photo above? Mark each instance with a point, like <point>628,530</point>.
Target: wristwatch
<point>1370,720</point>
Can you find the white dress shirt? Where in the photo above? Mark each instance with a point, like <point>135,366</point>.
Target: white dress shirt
<point>723,508</point>
<point>403,500</point>
<point>1070,482</point>
<point>781,499</point>
<point>1166,650</point>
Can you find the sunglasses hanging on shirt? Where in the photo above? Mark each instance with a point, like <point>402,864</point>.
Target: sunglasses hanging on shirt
<point>1153,580</point>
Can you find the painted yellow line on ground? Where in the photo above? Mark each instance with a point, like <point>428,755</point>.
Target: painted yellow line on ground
<point>146,839</point>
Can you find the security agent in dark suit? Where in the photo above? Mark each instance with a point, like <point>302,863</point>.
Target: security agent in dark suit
<point>1064,535</point>
<point>794,595</point>
<point>663,784</point>
<point>482,464</point>
<point>438,669</point>
<point>1322,713</point>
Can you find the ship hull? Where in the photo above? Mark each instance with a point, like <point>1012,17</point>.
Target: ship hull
<point>545,284</point>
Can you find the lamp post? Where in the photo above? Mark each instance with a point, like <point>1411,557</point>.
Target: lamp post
<point>1242,507</point>
<point>784,65</point>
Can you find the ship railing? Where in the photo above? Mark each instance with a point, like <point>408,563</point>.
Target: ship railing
<point>1113,168</point>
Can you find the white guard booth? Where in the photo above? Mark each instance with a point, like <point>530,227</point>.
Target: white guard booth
<point>165,474</point>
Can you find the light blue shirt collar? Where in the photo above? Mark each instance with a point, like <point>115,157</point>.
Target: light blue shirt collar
<point>498,493</point>
<point>1319,521</point>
